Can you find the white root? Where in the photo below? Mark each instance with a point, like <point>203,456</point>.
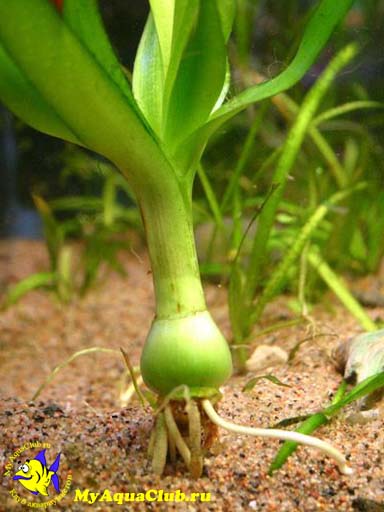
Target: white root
<point>286,435</point>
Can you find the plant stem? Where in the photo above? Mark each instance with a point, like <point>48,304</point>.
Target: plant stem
<point>167,218</point>
<point>184,346</point>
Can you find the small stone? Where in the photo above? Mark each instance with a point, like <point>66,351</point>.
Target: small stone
<point>360,358</point>
<point>363,417</point>
<point>265,356</point>
<point>253,505</point>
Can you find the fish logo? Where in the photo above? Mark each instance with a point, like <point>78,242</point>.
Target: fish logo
<point>35,476</point>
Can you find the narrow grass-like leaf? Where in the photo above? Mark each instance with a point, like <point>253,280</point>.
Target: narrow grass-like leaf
<point>211,196</point>
<point>287,422</point>
<point>244,157</point>
<point>65,283</point>
<point>32,282</point>
<point>307,427</point>
<point>235,301</point>
<point>290,110</point>
<point>318,30</point>
<point>336,284</point>
<point>288,156</point>
<point>127,361</point>
<point>76,203</point>
<point>364,388</point>
<point>296,347</point>
<point>340,392</point>
<point>345,109</point>
<point>279,276</point>
<point>52,231</point>
<point>252,382</point>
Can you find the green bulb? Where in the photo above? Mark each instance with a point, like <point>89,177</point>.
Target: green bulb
<point>189,350</point>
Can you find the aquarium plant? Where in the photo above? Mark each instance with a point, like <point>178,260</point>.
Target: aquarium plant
<point>59,74</point>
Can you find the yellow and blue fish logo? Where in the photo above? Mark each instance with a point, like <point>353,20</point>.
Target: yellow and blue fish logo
<point>35,476</point>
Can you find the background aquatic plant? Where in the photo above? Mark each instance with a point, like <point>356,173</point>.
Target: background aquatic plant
<point>79,245</point>
<point>59,74</point>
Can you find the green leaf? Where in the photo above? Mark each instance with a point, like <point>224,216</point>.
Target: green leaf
<point>252,382</point>
<point>52,232</point>
<point>148,77</point>
<point>69,78</point>
<point>157,61</point>
<point>163,15</point>
<point>25,101</point>
<point>83,17</point>
<point>307,427</point>
<point>77,203</point>
<point>317,32</point>
<point>227,11</point>
<point>181,72</point>
<point>32,282</point>
<point>185,18</point>
<point>236,305</point>
<point>340,289</point>
<point>200,77</point>
<point>365,387</point>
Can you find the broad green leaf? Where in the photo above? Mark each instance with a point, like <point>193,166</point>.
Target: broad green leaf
<point>83,17</point>
<point>160,51</point>
<point>163,13</point>
<point>170,57</point>
<point>185,18</point>
<point>317,32</point>
<point>77,87</point>
<point>21,97</point>
<point>227,11</point>
<point>200,77</point>
<point>148,77</point>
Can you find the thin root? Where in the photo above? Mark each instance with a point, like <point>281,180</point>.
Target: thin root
<point>160,447</point>
<point>279,434</point>
<point>180,428</point>
<point>176,436</point>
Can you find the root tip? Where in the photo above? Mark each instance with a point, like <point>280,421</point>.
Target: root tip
<point>346,470</point>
